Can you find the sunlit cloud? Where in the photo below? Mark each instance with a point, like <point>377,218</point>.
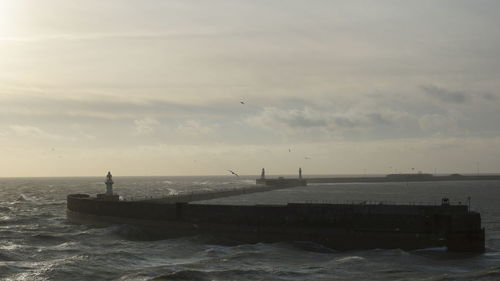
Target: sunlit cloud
<point>34,132</point>
<point>142,35</point>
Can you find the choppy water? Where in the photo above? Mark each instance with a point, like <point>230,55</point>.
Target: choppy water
<point>37,243</point>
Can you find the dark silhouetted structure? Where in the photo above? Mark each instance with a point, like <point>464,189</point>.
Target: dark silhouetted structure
<point>339,226</point>
<point>281,181</point>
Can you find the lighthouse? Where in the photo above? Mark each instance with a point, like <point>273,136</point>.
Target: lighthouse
<point>109,184</point>
<point>109,196</point>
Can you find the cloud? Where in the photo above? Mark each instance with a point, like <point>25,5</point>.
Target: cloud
<point>445,95</point>
<point>489,97</point>
<point>437,124</point>
<point>301,118</point>
<point>192,128</point>
<point>354,120</point>
<point>290,119</point>
<point>111,107</point>
<point>146,126</point>
<point>327,122</point>
<point>126,35</point>
<point>35,132</point>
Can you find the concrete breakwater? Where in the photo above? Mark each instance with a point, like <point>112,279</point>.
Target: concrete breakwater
<point>402,178</point>
<point>339,226</point>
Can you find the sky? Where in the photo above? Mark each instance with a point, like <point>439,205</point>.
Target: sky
<point>188,87</point>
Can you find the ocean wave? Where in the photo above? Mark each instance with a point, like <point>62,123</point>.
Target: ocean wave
<point>132,233</point>
<point>85,232</point>
<point>433,249</point>
<point>171,191</point>
<point>183,275</point>
<point>201,183</point>
<point>66,246</point>
<point>230,274</point>
<point>6,219</point>
<point>38,201</point>
<point>238,182</point>
<point>11,220</point>
<point>54,203</point>
<point>7,270</point>
<point>252,182</point>
<point>491,253</point>
<point>23,197</point>
<point>234,254</point>
<point>7,257</point>
<point>386,252</point>
<point>350,259</point>
<point>312,247</point>
<point>488,274</point>
<point>44,239</point>
<point>64,268</point>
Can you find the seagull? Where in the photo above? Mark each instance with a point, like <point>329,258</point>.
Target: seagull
<point>242,102</point>
<point>307,157</point>
<point>233,173</point>
<point>289,150</point>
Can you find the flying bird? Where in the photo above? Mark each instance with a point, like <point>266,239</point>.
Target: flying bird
<point>242,102</point>
<point>289,150</point>
<point>233,173</point>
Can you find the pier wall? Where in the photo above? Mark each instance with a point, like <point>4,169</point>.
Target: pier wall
<point>402,178</point>
<point>437,222</point>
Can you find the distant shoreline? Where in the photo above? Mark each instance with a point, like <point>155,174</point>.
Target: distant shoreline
<point>310,178</point>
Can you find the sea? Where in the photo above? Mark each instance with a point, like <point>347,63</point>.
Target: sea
<point>38,243</point>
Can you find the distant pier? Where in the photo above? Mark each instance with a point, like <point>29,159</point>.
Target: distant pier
<point>403,178</point>
<point>416,177</point>
<point>281,181</point>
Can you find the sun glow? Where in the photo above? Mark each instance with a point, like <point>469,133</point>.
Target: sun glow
<point>8,12</point>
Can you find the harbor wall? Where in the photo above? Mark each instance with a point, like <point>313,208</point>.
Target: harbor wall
<point>402,178</point>
<point>413,226</point>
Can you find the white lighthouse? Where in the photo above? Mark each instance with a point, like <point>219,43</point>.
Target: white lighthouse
<point>109,184</point>
<point>109,190</point>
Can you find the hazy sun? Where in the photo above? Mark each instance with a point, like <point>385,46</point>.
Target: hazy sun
<point>8,11</point>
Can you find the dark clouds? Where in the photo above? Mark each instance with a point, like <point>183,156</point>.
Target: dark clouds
<point>457,96</point>
<point>445,95</point>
